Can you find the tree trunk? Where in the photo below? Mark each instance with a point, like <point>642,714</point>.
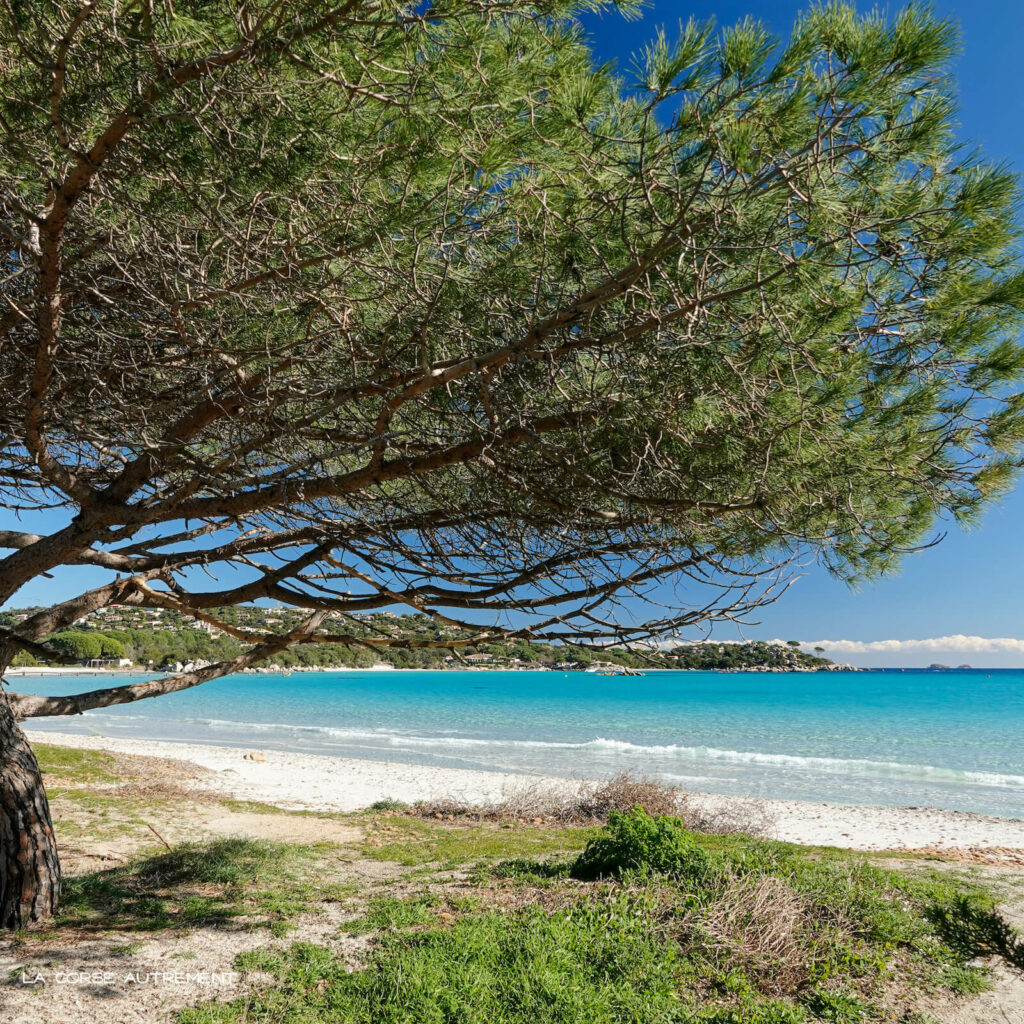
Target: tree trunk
<point>30,876</point>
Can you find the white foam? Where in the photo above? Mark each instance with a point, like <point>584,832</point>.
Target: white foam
<point>619,750</point>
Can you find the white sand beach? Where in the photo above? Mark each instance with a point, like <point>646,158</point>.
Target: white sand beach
<point>317,782</point>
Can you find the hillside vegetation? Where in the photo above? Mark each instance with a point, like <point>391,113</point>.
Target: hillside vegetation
<point>166,638</point>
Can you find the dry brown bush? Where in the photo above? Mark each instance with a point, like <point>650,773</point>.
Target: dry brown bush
<point>625,791</point>
<point>760,920</point>
<point>589,802</point>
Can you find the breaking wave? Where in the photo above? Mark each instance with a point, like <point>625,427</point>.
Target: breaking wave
<point>604,752</point>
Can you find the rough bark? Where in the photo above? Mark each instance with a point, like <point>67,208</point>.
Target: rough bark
<point>30,875</point>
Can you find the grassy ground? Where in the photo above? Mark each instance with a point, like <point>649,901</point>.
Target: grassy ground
<point>438,921</point>
<point>206,884</point>
<point>78,765</point>
<point>733,930</point>
<point>414,841</point>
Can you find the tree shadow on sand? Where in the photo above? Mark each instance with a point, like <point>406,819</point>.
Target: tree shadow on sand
<point>233,882</point>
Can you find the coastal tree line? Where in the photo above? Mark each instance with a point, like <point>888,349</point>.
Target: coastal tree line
<point>367,305</point>
<point>165,648</point>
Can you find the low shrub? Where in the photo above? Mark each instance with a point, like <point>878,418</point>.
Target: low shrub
<point>760,921</point>
<point>590,802</point>
<point>639,842</point>
<point>622,793</point>
<point>388,804</point>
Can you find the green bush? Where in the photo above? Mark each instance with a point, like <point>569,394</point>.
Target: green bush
<point>388,804</point>
<point>636,841</point>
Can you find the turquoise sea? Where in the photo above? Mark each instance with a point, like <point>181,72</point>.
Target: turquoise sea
<point>951,739</point>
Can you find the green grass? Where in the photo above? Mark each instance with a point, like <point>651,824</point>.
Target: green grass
<point>603,961</point>
<point>388,914</point>
<point>763,933</point>
<point>484,970</point>
<point>252,807</point>
<point>416,841</point>
<point>75,766</point>
<point>126,949</point>
<point>839,1007</point>
<point>256,807</point>
<point>89,815</point>
<point>202,884</point>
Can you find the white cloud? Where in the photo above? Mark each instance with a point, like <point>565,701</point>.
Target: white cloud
<point>957,642</point>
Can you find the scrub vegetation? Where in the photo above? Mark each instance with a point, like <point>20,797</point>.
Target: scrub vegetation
<point>648,922</point>
<point>503,915</point>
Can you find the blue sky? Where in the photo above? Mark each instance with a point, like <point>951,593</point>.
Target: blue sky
<point>971,584</point>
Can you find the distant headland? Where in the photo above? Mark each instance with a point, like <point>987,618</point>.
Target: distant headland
<point>136,639</point>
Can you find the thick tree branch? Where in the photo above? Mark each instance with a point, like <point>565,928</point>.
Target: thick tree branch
<point>31,706</point>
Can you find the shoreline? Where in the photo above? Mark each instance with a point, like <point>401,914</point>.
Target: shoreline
<point>45,671</point>
<point>321,782</point>
<point>28,671</point>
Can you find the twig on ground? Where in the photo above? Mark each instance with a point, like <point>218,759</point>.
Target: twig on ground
<point>157,834</point>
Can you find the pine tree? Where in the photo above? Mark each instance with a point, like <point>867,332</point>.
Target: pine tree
<point>371,304</point>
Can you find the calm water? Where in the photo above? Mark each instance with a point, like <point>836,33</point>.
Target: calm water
<point>944,739</point>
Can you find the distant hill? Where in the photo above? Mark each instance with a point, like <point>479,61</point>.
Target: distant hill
<point>756,654</point>
<point>162,639</point>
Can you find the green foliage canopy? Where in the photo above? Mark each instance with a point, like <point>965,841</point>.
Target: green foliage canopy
<point>79,645</point>
<point>382,305</point>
